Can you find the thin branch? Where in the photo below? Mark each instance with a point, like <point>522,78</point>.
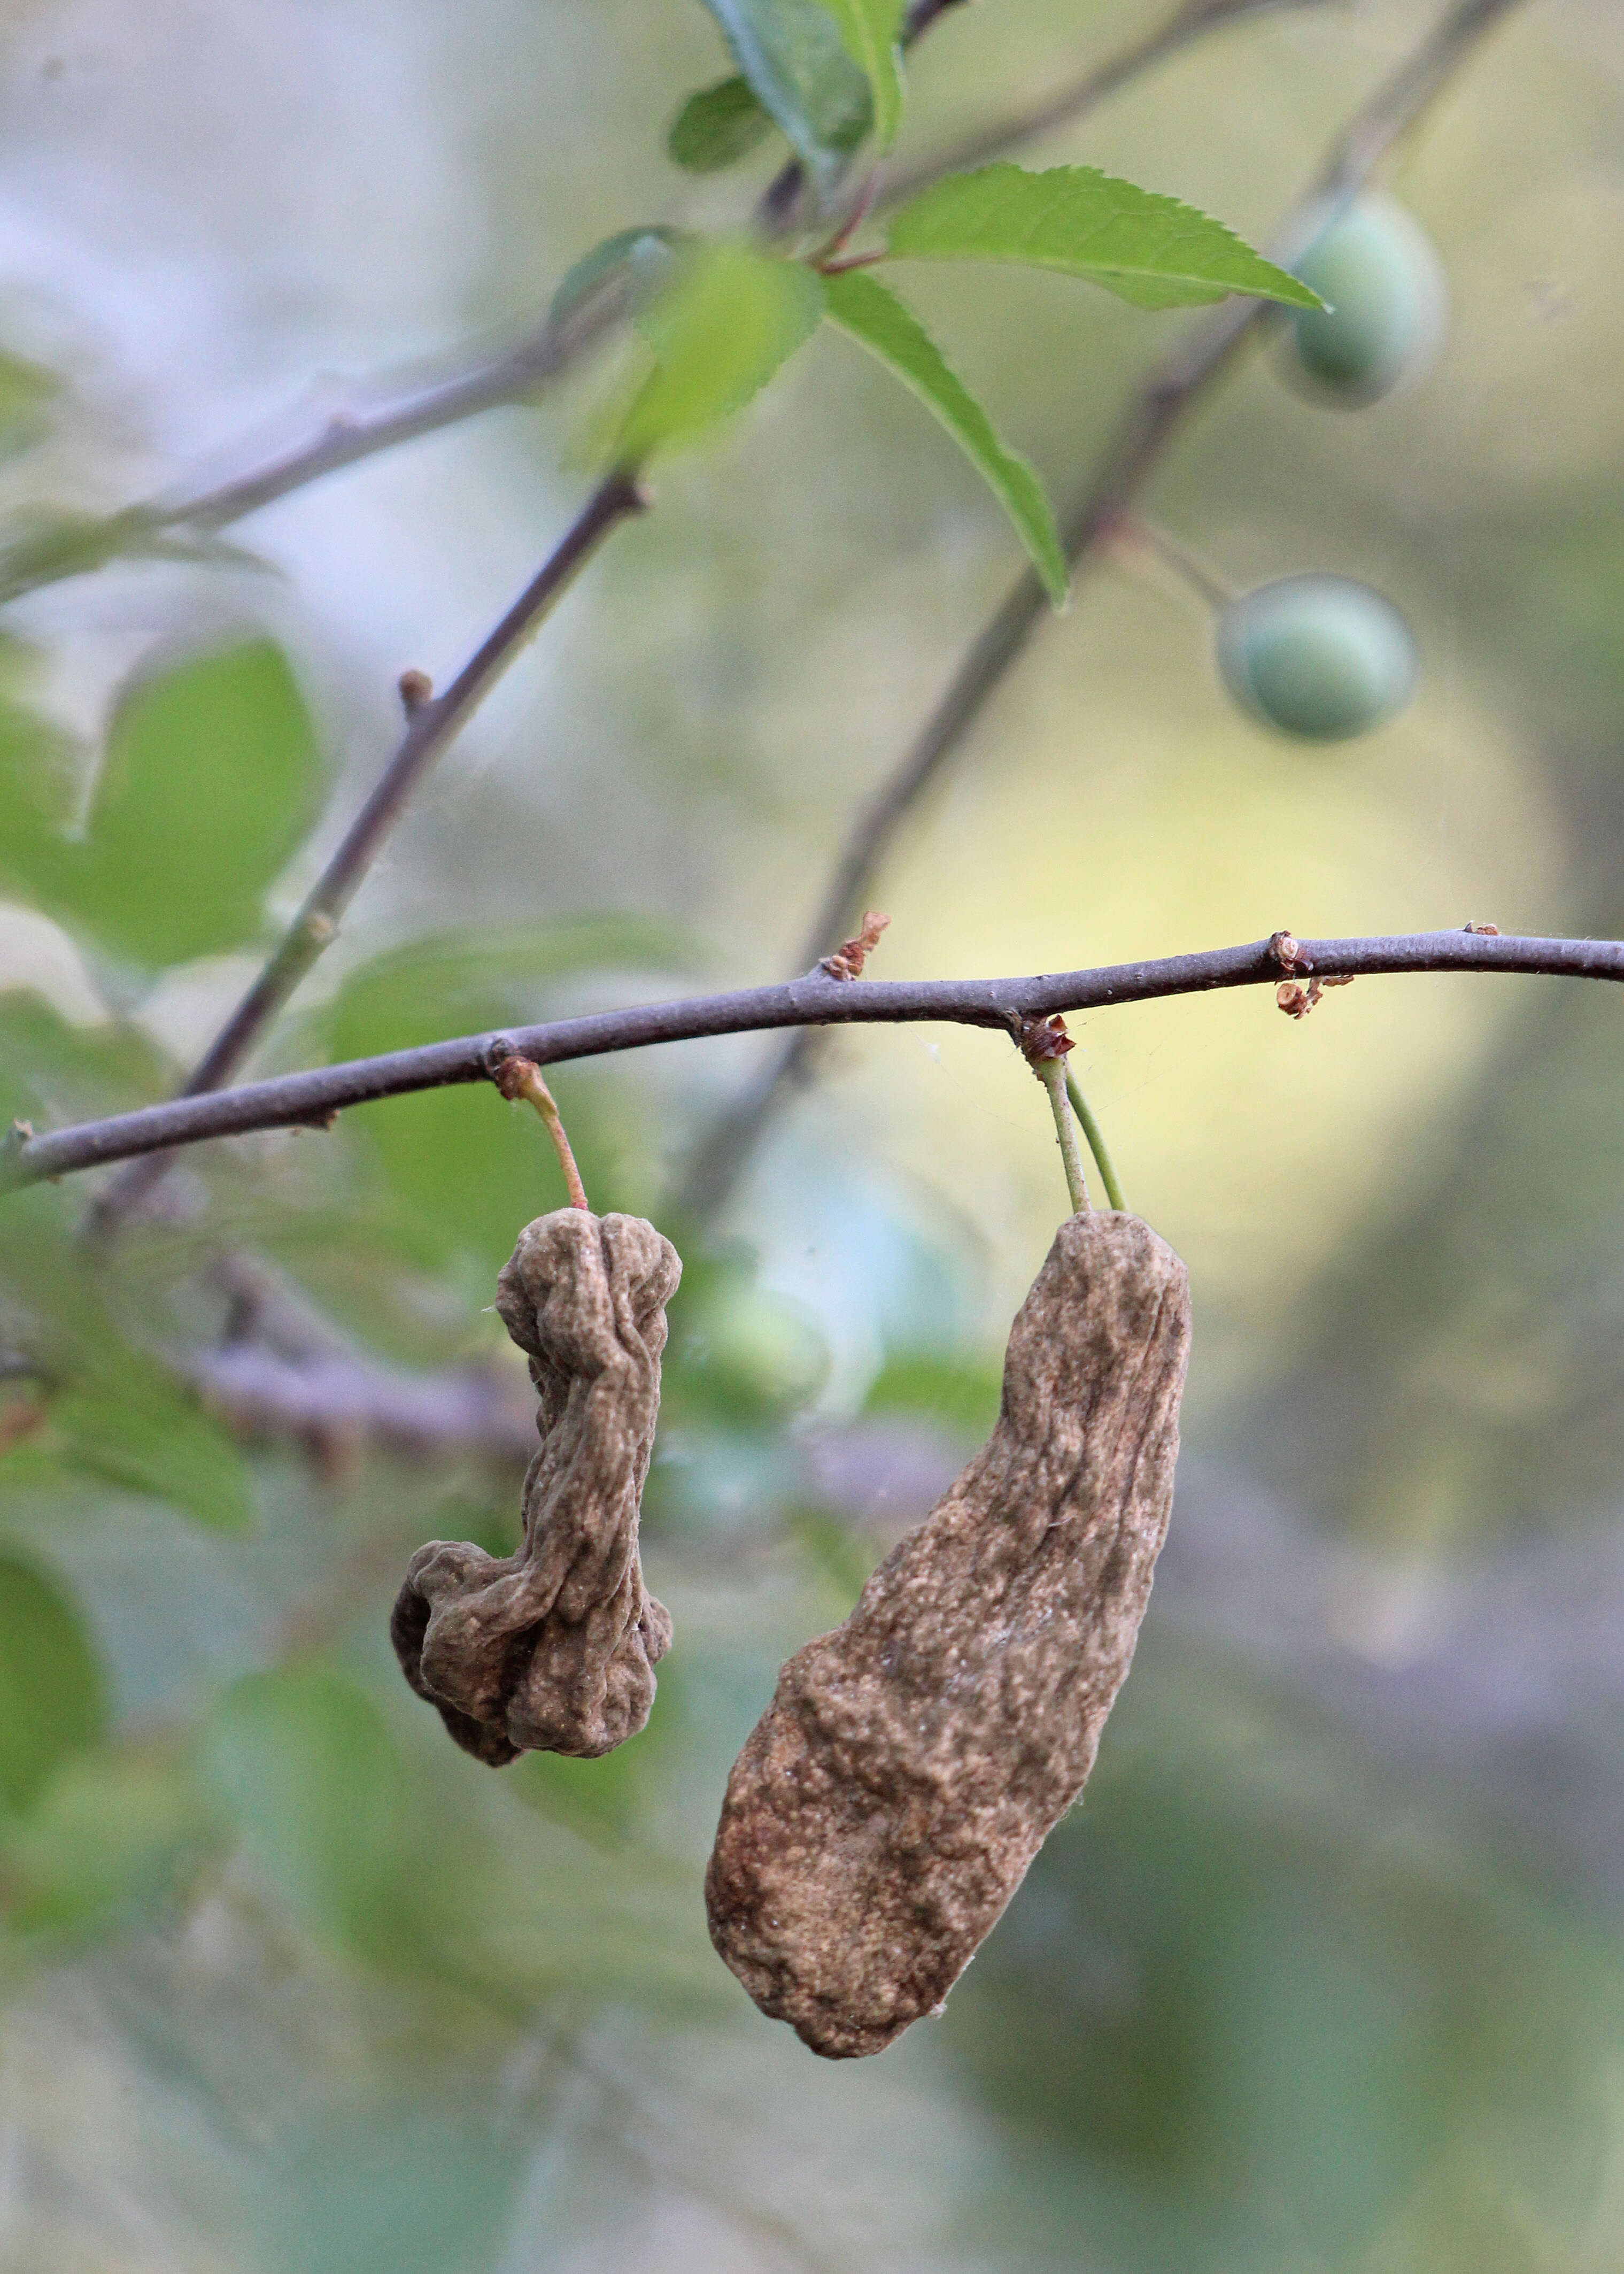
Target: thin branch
<point>517,374</point>
<point>335,1402</point>
<point>523,370</point>
<point>1157,412</point>
<point>312,1099</point>
<point>432,725</point>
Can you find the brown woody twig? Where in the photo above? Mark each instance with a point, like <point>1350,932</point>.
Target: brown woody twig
<point>303,1100</point>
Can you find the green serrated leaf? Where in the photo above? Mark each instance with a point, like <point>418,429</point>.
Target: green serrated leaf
<point>872,31</point>
<point>793,56</point>
<point>730,318</point>
<point>717,127</point>
<point>52,1702</point>
<point>878,321</point>
<point>1146,248</point>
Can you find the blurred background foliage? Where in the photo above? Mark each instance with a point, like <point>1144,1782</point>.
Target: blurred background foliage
<point>1328,1972</point>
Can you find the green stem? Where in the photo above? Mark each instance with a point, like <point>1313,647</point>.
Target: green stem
<point>1096,1142</point>
<point>1051,1074</point>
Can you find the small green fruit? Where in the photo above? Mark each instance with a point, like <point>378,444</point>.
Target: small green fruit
<point>1377,270</point>
<point>1318,657</point>
<point>760,1351</point>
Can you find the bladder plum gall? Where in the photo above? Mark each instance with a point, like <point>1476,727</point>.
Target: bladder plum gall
<point>1320,657</point>
<point>911,1764</point>
<point>1384,285</point>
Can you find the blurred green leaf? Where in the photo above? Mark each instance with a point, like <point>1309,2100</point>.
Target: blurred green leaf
<point>52,1701</point>
<point>722,329</point>
<point>1146,248</point>
<point>52,1071</point>
<point>133,1426</point>
<point>743,1351</point>
<point>840,1554</point>
<point>112,1840</point>
<point>38,791</point>
<point>875,317</point>
<point>108,1408</point>
<point>321,1800</point>
<point>495,976</point>
<point>40,547</point>
<point>211,779</point>
<point>143,1432</point>
<point>960,1394</point>
<point>645,250</point>
<point>872,31</point>
<point>793,54</point>
<point>26,392</point>
<point>717,127</point>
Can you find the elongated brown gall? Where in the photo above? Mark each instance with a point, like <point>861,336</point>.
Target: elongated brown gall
<point>887,1804</point>
<point>552,1649</point>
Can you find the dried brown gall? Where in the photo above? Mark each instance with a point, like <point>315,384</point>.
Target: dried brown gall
<point>553,1649</point>
<point>887,1804</point>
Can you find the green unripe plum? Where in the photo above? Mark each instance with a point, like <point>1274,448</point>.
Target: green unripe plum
<point>1320,658</point>
<point>759,1350</point>
<point>1384,282</point>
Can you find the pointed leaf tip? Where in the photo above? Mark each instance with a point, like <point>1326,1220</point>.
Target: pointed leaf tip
<point>1146,247</point>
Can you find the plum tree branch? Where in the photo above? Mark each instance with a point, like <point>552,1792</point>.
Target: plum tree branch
<point>521,370</point>
<point>437,722</point>
<point>430,728</point>
<point>1155,415</point>
<point>312,1099</point>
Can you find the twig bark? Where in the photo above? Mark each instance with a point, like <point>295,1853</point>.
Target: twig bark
<point>335,1402</point>
<point>1155,415</point>
<point>312,1099</point>
<point>432,726</point>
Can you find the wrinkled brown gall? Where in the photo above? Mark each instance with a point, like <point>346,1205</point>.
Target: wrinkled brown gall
<point>553,1649</point>
<point>887,1804</point>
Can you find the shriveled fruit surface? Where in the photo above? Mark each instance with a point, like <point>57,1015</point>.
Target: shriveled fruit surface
<point>887,1804</point>
<point>552,1649</point>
